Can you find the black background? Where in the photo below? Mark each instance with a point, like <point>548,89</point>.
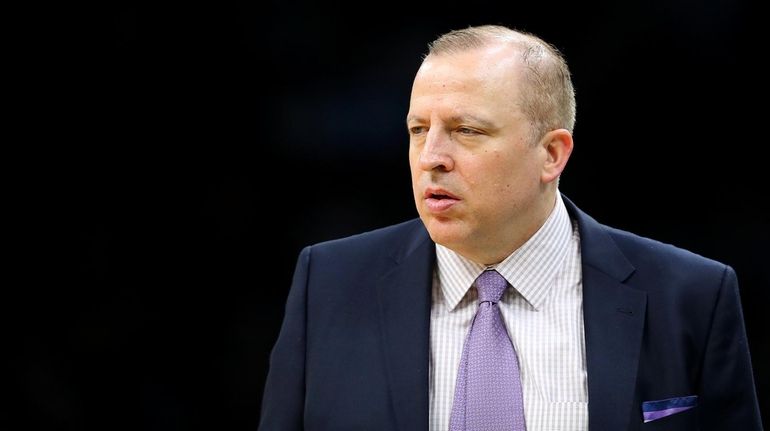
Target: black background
<point>183,154</point>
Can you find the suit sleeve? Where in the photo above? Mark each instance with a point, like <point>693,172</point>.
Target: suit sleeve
<point>284,397</point>
<point>727,397</point>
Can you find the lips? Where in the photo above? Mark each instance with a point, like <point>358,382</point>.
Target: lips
<point>438,193</point>
<point>439,200</point>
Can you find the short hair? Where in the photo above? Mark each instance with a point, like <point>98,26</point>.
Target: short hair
<point>548,96</point>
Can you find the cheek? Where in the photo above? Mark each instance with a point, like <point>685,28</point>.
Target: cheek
<point>412,165</point>
<point>505,182</point>
<point>493,175</point>
<point>414,159</point>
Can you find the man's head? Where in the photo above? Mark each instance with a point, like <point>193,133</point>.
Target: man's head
<point>490,124</point>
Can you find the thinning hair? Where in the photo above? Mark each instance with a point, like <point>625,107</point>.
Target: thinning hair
<point>547,96</point>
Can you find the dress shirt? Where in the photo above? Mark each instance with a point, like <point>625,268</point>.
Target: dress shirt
<point>543,313</point>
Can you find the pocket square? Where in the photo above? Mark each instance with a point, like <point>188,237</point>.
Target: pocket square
<point>653,410</point>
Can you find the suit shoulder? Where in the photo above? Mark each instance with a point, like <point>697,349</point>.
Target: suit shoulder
<point>641,250</point>
<point>374,241</point>
<point>653,257</point>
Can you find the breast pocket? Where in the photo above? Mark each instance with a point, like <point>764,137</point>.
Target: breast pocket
<point>686,419</point>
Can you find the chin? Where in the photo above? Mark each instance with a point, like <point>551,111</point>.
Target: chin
<point>446,232</point>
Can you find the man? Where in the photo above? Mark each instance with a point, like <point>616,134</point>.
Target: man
<point>601,329</point>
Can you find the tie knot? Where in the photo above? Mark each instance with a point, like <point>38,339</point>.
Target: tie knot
<point>491,286</point>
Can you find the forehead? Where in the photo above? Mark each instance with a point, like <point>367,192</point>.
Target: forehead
<point>495,63</point>
<point>479,79</point>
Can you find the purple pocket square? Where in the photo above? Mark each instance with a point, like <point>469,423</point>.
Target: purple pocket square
<point>653,410</point>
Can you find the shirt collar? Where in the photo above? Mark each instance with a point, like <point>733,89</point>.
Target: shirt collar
<point>529,269</point>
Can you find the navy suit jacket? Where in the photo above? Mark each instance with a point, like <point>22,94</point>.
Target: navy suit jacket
<point>660,322</point>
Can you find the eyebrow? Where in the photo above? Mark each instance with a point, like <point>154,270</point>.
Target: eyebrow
<point>411,118</point>
<point>465,118</point>
<point>468,118</point>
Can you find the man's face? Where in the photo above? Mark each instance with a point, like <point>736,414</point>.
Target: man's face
<point>476,175</point>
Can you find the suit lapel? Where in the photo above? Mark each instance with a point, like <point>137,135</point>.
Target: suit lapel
<point>404,298</point>
<point>614,316</point>
<point>614,322</point>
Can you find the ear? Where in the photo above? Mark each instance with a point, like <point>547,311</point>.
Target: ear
<point>558,147</point>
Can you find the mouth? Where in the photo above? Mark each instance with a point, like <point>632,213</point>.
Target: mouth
<point>439,194</point>
<point>439,201</point>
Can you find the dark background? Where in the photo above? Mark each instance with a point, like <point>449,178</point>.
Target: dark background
<point>192,150</point>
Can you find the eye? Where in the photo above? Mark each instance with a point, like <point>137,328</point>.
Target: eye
<point>467,131</point>
<point>417,130</point>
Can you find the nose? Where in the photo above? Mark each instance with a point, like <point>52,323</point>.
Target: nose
<point>435,154</point>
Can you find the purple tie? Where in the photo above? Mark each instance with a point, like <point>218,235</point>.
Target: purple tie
<point>488,389</point>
